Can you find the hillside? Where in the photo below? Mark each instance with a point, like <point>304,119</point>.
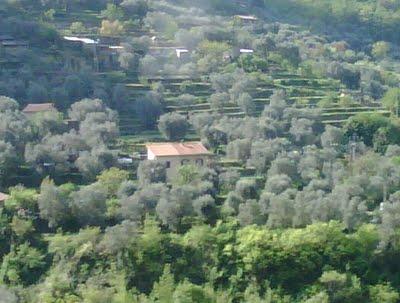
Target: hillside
<point>159,151</point>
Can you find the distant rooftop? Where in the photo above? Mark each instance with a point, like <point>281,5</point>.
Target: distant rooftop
<point>3,197</point>
<point>13,43</point>
<point>125,160</point>
<point>79,39</point>
<point>6,37</point>
<point>248,18</point>
<point>180,51</point>
<point>40,107</point>
<point>164,47</point>
<point>177,149</point>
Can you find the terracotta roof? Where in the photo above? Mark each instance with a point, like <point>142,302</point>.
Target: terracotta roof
<point>3,197</point>
<point>177,149</point>
<point>41,107</point>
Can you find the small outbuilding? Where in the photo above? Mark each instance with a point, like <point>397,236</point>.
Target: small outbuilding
<point>245,18</point>
<point>246,51</point>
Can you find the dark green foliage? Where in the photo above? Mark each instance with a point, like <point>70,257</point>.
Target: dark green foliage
<point>23,265</point>
<point>138,8</point>
<point>148,110</point>
<point>325,13</point>
<point>190,293</point>
<point>373,129</point>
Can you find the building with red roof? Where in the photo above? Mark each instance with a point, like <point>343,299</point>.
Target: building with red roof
<point>176,154</point>
<point>32,108</point>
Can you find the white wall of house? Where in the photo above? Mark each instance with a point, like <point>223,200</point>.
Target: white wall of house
<point>175,162</point>
<point>150,155</point>
<point>34,115</point>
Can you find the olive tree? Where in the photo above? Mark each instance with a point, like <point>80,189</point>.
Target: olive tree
<point>173,126</point>
<point>143,201</point>
<point>8,104</point>
<point>148,109</point>
<point>151,172</point>
<point>7,296</point>
<point>89,206</point>
<point>79,110</point>
<point>92,162</point>
<point>53,203</point>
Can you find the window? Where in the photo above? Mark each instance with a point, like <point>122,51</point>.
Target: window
<point>168,164</point>
<point>185,162</point>
<point>199,162</point>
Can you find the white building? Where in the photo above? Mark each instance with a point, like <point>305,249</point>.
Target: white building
<point>180,52</point>
<point>246,19</point>
<point>246,51</point>
<point>81,40</point>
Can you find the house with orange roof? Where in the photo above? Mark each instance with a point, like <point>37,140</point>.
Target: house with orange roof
<point>33,109</point>
<point>176,154</point>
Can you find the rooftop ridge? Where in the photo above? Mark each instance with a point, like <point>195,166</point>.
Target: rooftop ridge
<point>177,148</point>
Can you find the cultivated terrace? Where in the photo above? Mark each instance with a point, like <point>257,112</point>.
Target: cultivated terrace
<point>187,151</point>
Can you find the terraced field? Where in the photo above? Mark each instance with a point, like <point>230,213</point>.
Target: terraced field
<point>303,92</point>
